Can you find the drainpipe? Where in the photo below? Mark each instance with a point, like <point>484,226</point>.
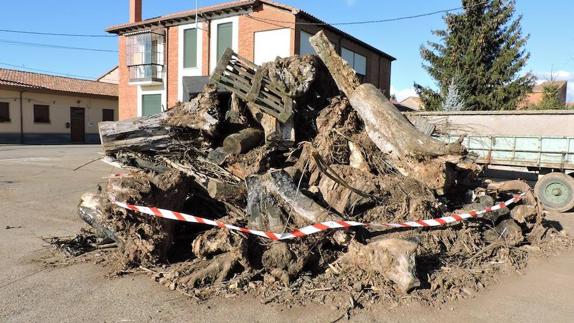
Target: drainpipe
<point>166,62</point>
<point>21,118</point>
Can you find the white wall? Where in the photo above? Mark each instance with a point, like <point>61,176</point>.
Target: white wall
<point>59,111</point>
<point>272,43</point>
<point>193,71</point>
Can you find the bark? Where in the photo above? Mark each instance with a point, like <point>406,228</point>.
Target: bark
<point>392,258</point>
<point>515,186</point>
<point>281,187</point>
<point>391,132</point>
<point>202,113</point>
<point>410,151</point>
<point>224,191</point>
<point>344,76</point>
<point>243,141</point>
<point>157,133</point>
<point>136,135</point>
<point>280,133</point>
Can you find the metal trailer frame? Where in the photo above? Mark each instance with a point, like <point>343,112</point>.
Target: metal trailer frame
<point>556,153</point>
<point>551,155</point>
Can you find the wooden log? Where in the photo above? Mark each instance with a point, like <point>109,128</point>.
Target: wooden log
<point>280,185</point>
<point>155,133</point>
<point>223,191</point>
<point>345,77</point>
<point>135,135</point>
<point>411,152</point>
<point>392,258</point>
<point>391,131</point>
<point>243,141</point>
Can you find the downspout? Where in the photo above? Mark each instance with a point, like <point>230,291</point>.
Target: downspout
<point>21,118</point>
<point>208,63</point>
<point>166,61</point>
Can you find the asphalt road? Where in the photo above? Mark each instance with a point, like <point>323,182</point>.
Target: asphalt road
<point>39,192</point>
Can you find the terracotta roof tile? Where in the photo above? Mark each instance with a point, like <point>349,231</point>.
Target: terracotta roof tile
<point>55,83</point>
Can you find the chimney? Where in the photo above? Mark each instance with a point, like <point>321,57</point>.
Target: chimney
<point>135,11</point>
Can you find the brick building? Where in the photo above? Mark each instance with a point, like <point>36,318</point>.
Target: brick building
<point>166,59</point>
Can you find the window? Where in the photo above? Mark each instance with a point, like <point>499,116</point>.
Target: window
<point>108,115</point>
<point>151,104</point>
<point>190,48</point>
<point>304,44</point>
<point>41,113</point>
<point>224,38</point>
<point>4,112</point>
<point>145,56</point>
<point>357,61</point>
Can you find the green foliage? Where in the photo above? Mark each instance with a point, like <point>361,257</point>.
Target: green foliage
<point>483,49</point>
<point>550,99</point>
<point>453,100</point>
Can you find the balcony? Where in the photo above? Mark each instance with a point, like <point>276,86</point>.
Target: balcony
<point>145,57</point>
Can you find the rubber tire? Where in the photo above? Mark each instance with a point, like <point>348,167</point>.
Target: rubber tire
<point>548,179</point>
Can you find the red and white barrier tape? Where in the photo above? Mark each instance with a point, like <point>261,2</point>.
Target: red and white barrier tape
<point>318,227</point>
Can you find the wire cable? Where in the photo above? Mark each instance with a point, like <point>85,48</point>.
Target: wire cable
<point>370,21</point>
<point>13,42</point>
<point>47,71</point>
<point>27,32</point>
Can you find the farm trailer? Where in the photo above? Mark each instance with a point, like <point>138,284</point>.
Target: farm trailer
<point>542,141</point>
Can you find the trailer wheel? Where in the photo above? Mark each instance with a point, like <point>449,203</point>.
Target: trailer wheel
<point>556,192</point>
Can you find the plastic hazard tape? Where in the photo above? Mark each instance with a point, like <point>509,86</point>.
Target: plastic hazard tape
<point>318,227</point>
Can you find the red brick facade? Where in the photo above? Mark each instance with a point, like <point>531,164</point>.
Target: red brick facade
<point>262,18</point>
<point>172,55</point>
<point>128,100</point>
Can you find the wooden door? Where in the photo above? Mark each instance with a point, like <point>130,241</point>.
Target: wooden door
<point>78,125</point>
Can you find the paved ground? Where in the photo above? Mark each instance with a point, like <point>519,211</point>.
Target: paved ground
<point>38,195</point>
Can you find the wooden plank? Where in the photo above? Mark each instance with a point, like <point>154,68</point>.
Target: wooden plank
<point>247,80</point>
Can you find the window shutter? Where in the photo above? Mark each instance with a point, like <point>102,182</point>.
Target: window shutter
<point>41,113</point>
<point>190,48</point>
<point>4,112</point>
<point>108,115</point>
<point>151,104</point>
<point>224,38</point>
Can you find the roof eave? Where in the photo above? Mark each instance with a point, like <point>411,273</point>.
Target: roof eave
<point>308,16</point>
<point>31,88</point>
<point>188,16</point>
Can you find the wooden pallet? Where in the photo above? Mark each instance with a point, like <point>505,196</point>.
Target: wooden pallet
<point>240,76</point>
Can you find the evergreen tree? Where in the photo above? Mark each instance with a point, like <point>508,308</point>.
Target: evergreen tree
<point>453,100</point>
<point>483,47</point>
<point>550,99</point>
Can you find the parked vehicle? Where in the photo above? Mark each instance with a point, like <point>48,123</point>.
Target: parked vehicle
<point>541,141</point>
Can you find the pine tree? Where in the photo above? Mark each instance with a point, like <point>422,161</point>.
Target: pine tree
<point>483,47</point>
<point>550,99</point>
<point>453,100</point>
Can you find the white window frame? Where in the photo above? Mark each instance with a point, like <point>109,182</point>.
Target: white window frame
<point>213,41</point>
<point>190,71</point>
<point>143,90</point>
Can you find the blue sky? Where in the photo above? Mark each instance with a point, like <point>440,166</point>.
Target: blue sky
<point>549,24</point>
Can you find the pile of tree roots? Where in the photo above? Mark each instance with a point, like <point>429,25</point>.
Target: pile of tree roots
<point>297,142</point>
